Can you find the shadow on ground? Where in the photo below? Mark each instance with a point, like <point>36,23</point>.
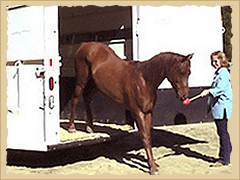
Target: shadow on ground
<point>117,149</point>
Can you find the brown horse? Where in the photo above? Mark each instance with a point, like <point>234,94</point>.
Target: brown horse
<point>130,83</point>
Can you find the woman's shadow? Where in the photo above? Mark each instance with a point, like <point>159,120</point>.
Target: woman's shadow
<point>119,148</point>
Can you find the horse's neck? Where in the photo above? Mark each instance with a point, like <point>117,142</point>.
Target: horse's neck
<point>154,72</point>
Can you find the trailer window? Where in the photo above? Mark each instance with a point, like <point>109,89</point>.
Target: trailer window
<point>118,47</point>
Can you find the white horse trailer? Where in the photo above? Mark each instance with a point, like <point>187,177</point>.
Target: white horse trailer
<point>33,64</point>
<point>33,61</point>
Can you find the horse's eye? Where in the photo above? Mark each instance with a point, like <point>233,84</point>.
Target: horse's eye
<point>182,73</point>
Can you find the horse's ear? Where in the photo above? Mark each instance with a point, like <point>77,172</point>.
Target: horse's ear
<point>188,57</point>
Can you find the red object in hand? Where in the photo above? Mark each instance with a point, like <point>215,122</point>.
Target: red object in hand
<point>186,101</point>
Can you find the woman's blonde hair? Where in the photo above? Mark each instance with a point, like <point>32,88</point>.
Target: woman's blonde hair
<point>224,61</point>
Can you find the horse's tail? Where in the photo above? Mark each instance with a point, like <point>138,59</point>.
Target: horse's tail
<point>69,90</point>
<point>82,67</point>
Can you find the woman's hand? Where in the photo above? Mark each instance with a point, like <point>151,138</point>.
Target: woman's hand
<point>205,92</point>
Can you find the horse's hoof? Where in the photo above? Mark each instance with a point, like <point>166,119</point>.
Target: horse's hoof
<point>89,129</point>
<point>72,130</point>
<point>154,173</point>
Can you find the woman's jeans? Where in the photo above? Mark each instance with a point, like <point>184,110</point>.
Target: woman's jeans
<point>225,144</point>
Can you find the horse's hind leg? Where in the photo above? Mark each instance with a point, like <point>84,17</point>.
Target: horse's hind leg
<point>129,119</point>
<point>88,94</point>
<point>82,76</point>
<point>77,93</point>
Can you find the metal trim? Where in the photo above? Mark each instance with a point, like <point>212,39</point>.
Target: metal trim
<point>27,62</point>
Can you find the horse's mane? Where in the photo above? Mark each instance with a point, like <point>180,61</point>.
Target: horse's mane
<point>148,66</point>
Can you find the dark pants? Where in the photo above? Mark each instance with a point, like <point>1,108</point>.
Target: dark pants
<point>225,144</point>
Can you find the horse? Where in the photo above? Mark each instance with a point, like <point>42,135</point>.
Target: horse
<point>131,83</point>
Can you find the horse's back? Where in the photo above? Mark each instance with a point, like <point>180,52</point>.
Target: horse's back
<point>94,51</point>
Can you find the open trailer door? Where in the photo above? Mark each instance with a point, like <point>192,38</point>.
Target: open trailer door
<point>184,30</point>
<point>33,78</point>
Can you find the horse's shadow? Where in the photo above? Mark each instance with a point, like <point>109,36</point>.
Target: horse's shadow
<point>120,148</point>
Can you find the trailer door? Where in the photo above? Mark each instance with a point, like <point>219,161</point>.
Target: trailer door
<point>32,72</point>
<point>184,30</point>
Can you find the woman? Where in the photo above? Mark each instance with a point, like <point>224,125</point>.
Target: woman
<point>221,91</point>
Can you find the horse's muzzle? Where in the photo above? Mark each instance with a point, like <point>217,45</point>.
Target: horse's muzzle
<point>183,98</point>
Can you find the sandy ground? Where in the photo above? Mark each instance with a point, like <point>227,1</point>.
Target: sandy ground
<point>181,149</point>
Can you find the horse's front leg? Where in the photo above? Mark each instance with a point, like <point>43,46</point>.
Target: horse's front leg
<point>144,122</point>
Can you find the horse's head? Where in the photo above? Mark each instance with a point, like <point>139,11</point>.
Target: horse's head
<point>178,75</point>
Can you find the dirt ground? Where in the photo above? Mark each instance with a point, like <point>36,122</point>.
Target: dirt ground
<point>180,149</point>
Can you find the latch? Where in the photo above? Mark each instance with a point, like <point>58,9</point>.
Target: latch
<point>40,73</point>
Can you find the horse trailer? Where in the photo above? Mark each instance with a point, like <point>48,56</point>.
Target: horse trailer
<point>40,60</point>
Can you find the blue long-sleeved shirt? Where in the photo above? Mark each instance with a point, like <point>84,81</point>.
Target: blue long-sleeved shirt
<point>222,90</point>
